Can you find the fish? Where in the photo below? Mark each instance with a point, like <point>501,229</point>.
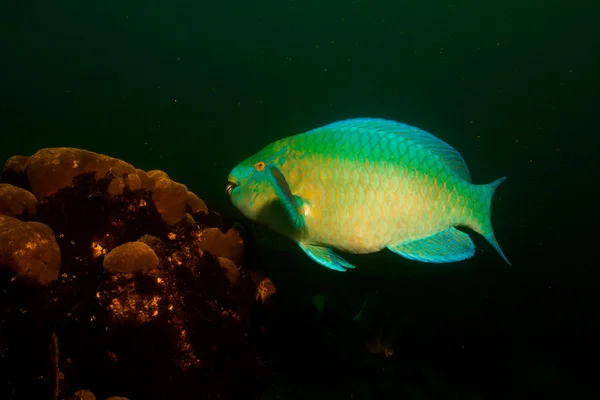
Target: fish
<point>265,289</point>
<point>363,185</point>
<point>378,346</point>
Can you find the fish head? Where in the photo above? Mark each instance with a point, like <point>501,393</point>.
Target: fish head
<point>249,187</point>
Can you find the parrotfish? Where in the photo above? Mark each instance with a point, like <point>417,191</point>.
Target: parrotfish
<point>362,185</point>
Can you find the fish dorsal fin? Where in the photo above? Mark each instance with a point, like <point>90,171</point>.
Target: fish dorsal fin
<point>437,147</point>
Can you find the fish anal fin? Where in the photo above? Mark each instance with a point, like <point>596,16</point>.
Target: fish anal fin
<point>450,245</point>
<point>326,257</point>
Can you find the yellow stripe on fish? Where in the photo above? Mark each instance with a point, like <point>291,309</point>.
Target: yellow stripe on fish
<point>362,185</point>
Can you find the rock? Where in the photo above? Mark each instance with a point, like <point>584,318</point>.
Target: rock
<point>130,258</point>
<point>116,187</point>
<point>29,249</point>
<point>152,241</point>
<point>231,270</point>
<point>177,330</point>
<point>14,172</point>
<point>196,204</point>
<point>14,201</point>
<point>156,175</point>
<point>170,199</point>
<point>229,245</point>
<point>189,219</point>
<point>145,181</point>
<point>83,395</point>
<point>133,181</point>
<point>52,169</point>
<point>16,164</point>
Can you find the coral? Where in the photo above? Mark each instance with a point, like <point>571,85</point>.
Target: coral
<point>87,395</point>
<point>231,270</point>
<point>14,171</point>
<point>16,164</point>
<point>145,181</point>
<point>130,258</point>
<point>145,291</point>
<point>155,176</point>
<point>170,199</point>
<point>196,204</point>
<point>29,249</point>
<point>15,201</point>
<point>49,170</point>
<point>83,395</point>
<point>229,244</point>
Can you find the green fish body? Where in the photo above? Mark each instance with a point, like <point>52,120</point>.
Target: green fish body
<point>362,185</point>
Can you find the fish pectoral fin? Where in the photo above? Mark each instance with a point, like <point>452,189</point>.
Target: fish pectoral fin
<point>326,257</point>
<point>446,246</point>
<point>291,204</point>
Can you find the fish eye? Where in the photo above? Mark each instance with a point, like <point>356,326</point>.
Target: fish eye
<point>259,166</point>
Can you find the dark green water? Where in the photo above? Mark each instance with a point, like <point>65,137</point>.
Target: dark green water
<point>193,87</point>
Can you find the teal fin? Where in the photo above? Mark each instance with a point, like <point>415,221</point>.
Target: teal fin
<point>488,233</point>
<point>430,143</point>
<point>446,246</point>
<point>494,243</point>
<point>291,204</point>
<point>326,257</point>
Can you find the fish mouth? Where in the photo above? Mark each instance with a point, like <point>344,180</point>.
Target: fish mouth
<point>229,188</point>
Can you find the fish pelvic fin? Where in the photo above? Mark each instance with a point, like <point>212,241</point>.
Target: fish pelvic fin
<point>483,222</point>
<point>326,257</point>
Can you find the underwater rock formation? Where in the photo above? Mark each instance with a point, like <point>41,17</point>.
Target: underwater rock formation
<point>170,199</point>
<point>87,395</point>
<point>229,244</point>
<point>29,249</point>
<point>15,201</point>
<point>130,258</point>
<point>140,290</point>
<point>196,204</point>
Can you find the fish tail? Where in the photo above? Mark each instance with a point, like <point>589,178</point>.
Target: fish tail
<point>484,225</point>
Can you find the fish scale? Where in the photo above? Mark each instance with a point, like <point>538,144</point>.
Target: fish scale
<point>376,179</point>
<point>362,185</point>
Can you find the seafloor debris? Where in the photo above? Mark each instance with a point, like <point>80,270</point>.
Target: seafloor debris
<point>146,291</point>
